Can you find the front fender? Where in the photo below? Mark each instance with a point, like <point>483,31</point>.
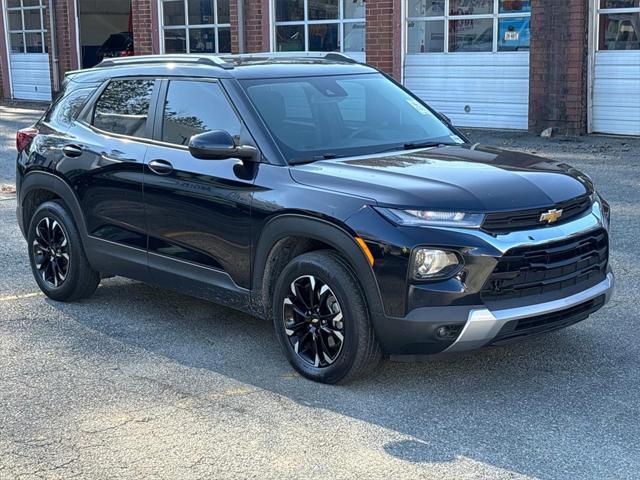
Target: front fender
<point>336,236</point>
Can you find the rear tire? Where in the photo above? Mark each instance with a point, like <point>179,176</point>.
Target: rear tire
<point>57,257</point>
<point>324,328</point>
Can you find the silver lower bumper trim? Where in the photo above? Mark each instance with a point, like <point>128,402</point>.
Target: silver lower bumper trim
<point>483,324</point>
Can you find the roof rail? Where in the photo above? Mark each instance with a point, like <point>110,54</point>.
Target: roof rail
<point>212,60</point>
<point>334,56</point>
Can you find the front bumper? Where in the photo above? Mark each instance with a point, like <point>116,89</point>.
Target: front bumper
<point>484,325</point>
<point>477,321</point>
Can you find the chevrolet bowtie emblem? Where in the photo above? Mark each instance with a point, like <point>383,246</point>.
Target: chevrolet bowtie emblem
<point>551,216</point>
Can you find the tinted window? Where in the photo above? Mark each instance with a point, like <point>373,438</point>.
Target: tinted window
<point>67,107</point>
<point>196,107</point>
<point>123,107</point>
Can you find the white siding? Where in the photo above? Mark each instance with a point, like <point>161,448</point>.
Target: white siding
<point>30,76</point>
<point>495,86</point>
<point>616,92</point>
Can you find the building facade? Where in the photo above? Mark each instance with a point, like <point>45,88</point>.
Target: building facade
<point>521,64</point>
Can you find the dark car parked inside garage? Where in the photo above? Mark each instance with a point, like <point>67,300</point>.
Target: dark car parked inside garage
<point>313,191</point>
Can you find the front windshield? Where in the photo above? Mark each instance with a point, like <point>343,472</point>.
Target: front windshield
<point>343,115</point>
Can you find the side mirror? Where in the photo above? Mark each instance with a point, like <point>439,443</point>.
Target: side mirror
<point>219,145</point>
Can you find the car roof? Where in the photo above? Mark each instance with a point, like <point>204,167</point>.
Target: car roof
<point>247,66</point>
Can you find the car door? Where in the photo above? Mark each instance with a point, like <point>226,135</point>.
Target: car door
<point>198,211</point>
<point>103,161</point>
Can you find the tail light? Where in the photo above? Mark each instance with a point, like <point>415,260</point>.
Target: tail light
<point>126,53</point>
<point>24,137</point>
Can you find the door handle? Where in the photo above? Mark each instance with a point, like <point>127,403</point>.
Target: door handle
<point>160,167</point>
<point>72,151</point>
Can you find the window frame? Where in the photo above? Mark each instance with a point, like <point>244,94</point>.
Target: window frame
<point>158,115</point>
<point>87,115</point>
<point>606,11</point>
<point>496,16</point>
<point>42,30</point>
<point>187,26</point>
<point>305,22</point>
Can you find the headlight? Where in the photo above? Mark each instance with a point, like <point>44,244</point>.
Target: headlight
<point>429,263</point>
<point>432,217</point>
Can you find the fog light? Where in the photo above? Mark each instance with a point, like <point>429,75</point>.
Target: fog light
<point>448,331</point>
<point>430,263</point>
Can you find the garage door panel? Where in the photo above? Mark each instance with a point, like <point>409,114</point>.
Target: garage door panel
<point>475,89</point>
<point>493,90</point>
<point>616,92</point>
<point>30,76</point>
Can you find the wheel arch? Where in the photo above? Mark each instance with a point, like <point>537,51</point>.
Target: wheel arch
<point>286,231</point>
<point>36,182</point>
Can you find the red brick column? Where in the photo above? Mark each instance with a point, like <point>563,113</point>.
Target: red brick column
<point>144,21</point>
<point>66,35</point>
<point>384,31</point>
<point>256,26</point>
<point>558,66</point>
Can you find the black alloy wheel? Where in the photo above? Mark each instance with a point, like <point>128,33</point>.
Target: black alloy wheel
<point>313,321</point>
<point>58,261</point>
<point>321,319</point>
<point>51,252</point>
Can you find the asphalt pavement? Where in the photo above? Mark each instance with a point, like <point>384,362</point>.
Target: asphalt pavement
<point>139,382</point>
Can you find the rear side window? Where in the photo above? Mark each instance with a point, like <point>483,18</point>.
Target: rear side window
<point>123,107</point>
<point>68,106</point>
<point>193,107</point>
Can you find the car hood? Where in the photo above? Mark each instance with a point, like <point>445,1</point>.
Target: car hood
<point>460,177</point>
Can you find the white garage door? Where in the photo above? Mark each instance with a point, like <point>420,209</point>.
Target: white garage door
<point>30,76</point>
<point>474,90</point>
<point>470,60</point>
<point>28,60</point>
<point>616,70</point>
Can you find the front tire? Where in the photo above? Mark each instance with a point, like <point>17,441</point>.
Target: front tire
<point>322,321</point>
<point>58,261</point>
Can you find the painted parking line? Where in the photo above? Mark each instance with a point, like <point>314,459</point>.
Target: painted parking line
<point>20,297</point>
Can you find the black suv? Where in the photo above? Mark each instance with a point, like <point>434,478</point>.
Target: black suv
<point>314,191</point>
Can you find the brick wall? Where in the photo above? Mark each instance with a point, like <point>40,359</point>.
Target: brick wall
<point>144,20</point>
<point>558,66</point>
<point>256,26</point>
<point>65,35</point>
<point>383,31</point>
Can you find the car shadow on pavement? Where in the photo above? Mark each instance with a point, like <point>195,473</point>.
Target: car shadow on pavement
<point>533,408</point>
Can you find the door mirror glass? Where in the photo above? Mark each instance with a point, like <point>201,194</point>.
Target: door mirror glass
<point>218,145</point>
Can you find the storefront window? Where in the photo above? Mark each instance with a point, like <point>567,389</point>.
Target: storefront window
<point>619,31</point>
<point>320,25</point>
<point>26,26</point>
<point>425,37</point>
<point>323,9</point>
<point>471,35</point>
<point>426,8</point>
<point>619,3</point>
<point>513,34</point>
<point>353,9</point>
<point>515,6</point>
<point>450,26</point>
<point>619,25</point>
<point>289,10</point>
<point>196,26</point>
<point>470,7</point>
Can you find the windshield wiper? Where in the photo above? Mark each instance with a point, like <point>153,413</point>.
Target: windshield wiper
<point>415,146</point>
<point>303,160</point>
